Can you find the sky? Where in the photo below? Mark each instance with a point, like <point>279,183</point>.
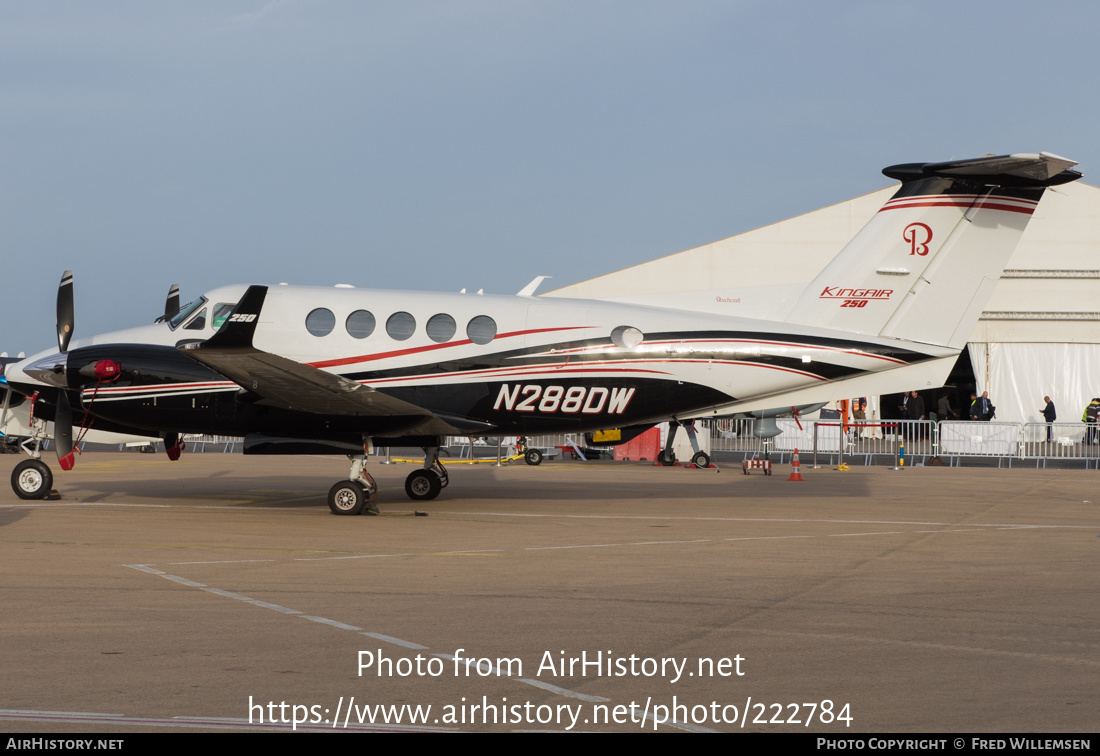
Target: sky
<point>436,145</point>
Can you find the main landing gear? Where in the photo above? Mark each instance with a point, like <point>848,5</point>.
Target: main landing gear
<point>667,456</point>
<point>426,483</point>
<point>356,495</point>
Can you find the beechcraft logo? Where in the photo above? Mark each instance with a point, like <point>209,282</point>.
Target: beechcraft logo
<point>919,237</point>
<point>584,400</point>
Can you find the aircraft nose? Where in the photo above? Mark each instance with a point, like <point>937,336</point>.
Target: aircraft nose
<point>49,370</point>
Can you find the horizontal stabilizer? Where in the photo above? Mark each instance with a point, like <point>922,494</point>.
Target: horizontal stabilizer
<point>1019,169</point>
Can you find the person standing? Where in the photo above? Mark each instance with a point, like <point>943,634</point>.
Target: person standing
<point>1092,412</point>
<point>943,408</point>
<point>859,408</point>
<point>916,407</point>
<point>1049,416</point>
<point>916,412</point>
<point>986,409</point>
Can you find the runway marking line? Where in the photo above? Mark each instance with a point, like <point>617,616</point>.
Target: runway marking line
<point>498,552</point>
<point>377,636</point>
<point>668,518</point>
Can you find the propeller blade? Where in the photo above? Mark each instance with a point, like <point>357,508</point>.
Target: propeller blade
<point>65,311</point>
<point>172,303</point>
<point>63,432</point>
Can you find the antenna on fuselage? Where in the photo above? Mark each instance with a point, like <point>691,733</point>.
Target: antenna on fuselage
<point>530,289</point>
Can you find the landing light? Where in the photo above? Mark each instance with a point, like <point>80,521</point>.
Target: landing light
<point>807,358</point>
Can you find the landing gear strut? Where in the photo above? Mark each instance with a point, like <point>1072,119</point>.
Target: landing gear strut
<point>32,478</point>
<point>356,494</point>
<point>426,483</point>
<point>699,458</point>
<point>667,456</point>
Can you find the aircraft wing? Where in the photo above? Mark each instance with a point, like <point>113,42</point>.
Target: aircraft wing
<point>292,385</point>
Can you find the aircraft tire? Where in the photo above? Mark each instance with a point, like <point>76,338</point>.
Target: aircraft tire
<point>346,498</point>
<point>701,460</point>
<point>666,458</point>
<point>423,485</point>
<point>32,479</point>
<point>533,457</point>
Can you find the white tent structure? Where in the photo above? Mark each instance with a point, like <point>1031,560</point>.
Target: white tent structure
<point>1039,334</point>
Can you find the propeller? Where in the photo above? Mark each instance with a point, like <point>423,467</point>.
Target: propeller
<point>63,432</point>
<point>65,311</point>
<point>63,417</point>
<point>172,303</point>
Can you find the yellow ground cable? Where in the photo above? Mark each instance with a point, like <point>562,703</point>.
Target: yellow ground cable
<point>513,458</point>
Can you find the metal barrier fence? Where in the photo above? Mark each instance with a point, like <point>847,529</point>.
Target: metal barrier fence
<point>827,439</point>
<point>918,441</point>
<point>1074,441</point>
<point>980,439</point>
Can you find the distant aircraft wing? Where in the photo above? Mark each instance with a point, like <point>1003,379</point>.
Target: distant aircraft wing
<point>292,385</point>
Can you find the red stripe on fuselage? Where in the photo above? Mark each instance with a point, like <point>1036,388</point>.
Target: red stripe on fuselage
<point>491,374</point>
<point>429,348</point>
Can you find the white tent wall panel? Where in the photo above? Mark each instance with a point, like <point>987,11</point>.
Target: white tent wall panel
<point>1019,375</point>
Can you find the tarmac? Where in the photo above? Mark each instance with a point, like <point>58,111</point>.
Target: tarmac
<point>219,593</point>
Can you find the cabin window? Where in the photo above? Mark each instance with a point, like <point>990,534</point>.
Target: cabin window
<point>360,324</point>
<point>440,327</point>
<point>320,322</point>
<point>481,329</point>
<point>400,326</point>
<point>626,336</point>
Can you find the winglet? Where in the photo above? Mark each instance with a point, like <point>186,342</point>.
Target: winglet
<point>239,328</point>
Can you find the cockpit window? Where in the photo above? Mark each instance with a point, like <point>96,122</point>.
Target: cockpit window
<point>197,323</point>
<point>185,312</point>
<point>221,312</point>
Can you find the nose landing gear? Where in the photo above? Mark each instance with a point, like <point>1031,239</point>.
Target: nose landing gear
<point>32,479</point>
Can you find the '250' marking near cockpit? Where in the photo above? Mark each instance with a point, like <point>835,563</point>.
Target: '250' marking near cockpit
<point>588,401</point>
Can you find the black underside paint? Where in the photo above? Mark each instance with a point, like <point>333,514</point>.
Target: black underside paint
<point>237,412</point>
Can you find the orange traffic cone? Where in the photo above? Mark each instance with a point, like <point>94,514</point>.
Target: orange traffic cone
<point>796,470</point>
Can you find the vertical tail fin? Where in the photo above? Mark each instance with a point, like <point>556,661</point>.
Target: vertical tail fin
<point>924,267</point>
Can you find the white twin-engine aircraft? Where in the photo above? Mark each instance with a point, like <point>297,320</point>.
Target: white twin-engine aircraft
<point>341,370</point>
